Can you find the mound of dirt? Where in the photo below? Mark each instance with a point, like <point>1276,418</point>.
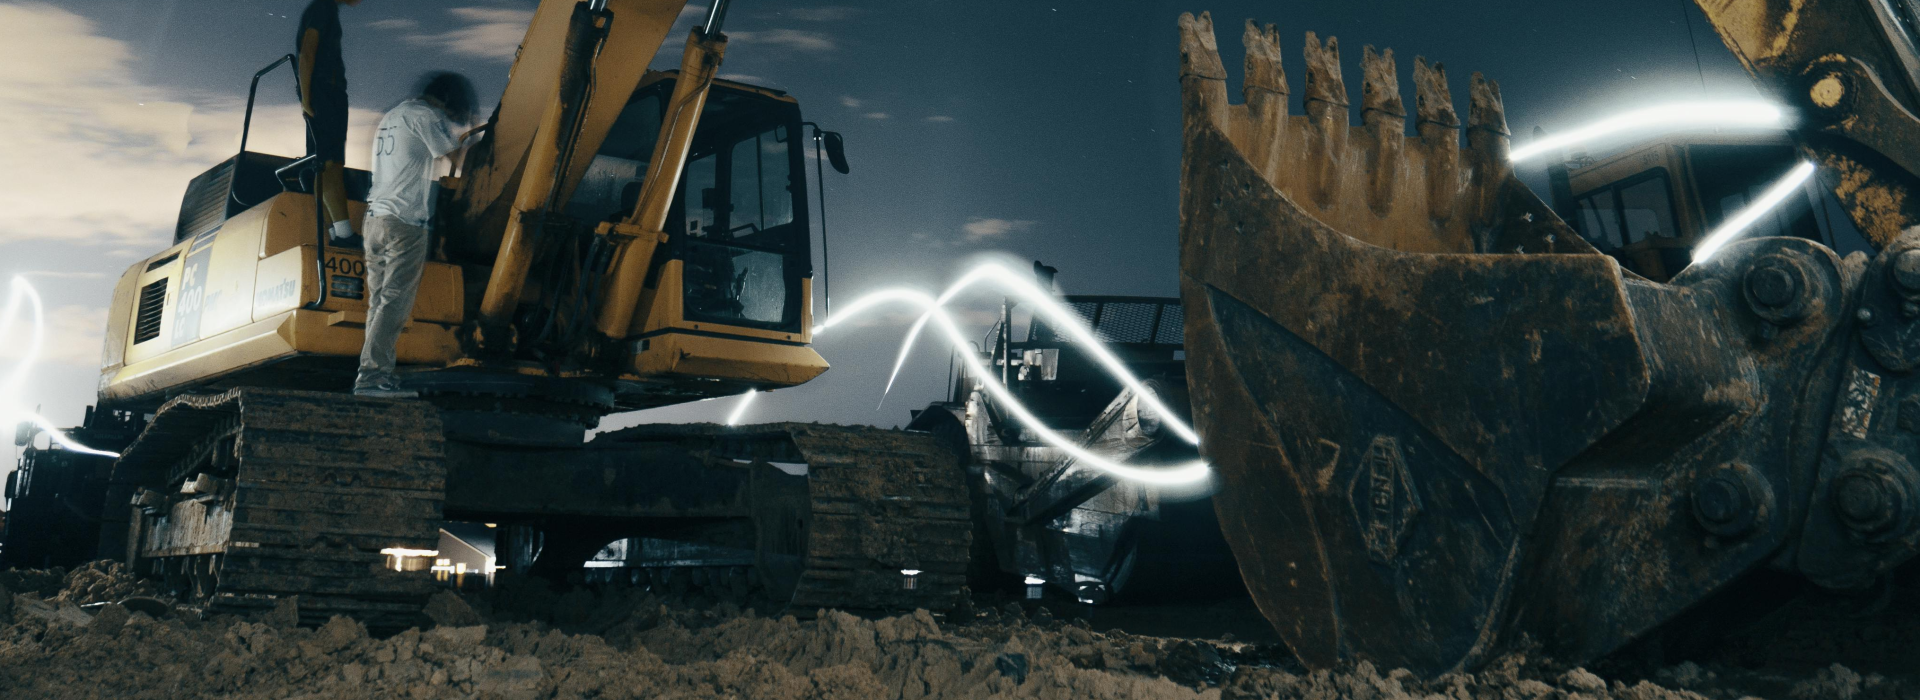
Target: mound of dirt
<point>524,641</point>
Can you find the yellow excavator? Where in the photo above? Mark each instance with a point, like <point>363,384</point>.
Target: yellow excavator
<point>1444,422</point>
<point>618,239</point>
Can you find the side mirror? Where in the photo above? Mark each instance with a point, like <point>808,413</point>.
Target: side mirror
<point>836,151</point>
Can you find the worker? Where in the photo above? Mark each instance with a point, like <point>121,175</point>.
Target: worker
<point>323,95</point>
<point>410,139</point>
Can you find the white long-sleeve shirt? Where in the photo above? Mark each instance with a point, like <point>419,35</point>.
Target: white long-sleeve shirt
<point>411,136</point>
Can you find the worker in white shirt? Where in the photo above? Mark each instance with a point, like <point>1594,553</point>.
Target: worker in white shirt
<point>411,137</point>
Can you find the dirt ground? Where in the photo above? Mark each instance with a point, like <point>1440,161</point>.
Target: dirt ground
<point>522,641</point>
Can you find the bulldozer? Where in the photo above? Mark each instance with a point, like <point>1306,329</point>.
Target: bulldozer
<point>618,239</point>
<point>1049,527</point>
<point>1444,422</point>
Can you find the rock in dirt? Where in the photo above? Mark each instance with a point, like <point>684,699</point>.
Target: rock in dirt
<point>532,644</point>
<point>447,609</point>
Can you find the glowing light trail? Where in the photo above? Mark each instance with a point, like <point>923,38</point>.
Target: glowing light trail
<point>746,400</point>
<point>1168,476</point>
<point>11,388</point>
<point>1774,195</point>
<point>1733,114</point>
<point>1058,316</point>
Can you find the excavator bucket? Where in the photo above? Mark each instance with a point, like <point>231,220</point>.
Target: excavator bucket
<point>1443,422</point>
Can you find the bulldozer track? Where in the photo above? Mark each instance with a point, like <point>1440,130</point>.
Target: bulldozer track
<point>320,484</point>
<point>881,503</point>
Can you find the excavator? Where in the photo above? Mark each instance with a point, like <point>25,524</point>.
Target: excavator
<point>1444,422</point>
<point>618,239</point>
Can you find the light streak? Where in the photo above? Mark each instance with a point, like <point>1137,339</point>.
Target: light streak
<point>746,400</point>
<point>1772,198</point>
<point>1057,315</point>
<point>404,552</point>
<point>1165,476</point>
<point>1734,113</point>
<point>22,290</point>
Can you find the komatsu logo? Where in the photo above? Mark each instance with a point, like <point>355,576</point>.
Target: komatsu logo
<point>274,294</point>
<point>1384,502</point>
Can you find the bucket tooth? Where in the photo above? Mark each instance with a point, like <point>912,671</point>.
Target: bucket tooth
<point>1384,116</point>
<point>1326,103</point>
<point>1380,84</point>
<point>1203,78</point>
<point>1487,146</point>
<point>1439,128</point>
<point>1265,88</point>
<point>1431,98</point>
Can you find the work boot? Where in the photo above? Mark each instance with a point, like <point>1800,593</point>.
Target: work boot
<point>386,390</point>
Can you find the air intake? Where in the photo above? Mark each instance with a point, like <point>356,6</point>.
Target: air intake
<point>146,322</point>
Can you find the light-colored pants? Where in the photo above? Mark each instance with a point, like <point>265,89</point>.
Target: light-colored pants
<point>396,253</point>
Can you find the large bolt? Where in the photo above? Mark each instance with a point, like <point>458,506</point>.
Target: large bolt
<point>1729,500</point>
<point>1717,501</point>
<point>1779,289</point>
<point>1906,270</point>
<point>1865,501</point>
<point>1772,286</point>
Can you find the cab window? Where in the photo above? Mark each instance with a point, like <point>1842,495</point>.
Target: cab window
<point>1627,212</point>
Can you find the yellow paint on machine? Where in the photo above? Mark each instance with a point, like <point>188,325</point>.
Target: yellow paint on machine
<point>240,288</point>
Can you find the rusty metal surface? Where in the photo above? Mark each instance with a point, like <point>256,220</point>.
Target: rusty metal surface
<point>1442,430</point>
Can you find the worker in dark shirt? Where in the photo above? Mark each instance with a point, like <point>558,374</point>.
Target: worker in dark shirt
<point>323,94</point>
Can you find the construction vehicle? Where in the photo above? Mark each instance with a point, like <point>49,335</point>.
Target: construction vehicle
<point>1042,519</point>
<point>1443,421</point>
<point>619,239</point>
<point>1649,204</point>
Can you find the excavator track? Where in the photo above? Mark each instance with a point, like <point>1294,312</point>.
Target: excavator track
<point>879,503</point>
<point>256,495</point>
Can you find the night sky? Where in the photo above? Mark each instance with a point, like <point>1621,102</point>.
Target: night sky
<point>1045,130</point>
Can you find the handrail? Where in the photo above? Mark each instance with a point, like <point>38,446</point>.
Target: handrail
<point>246,127</point>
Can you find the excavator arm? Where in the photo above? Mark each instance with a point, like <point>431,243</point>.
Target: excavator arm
<point>1850,71</point>
<point>1443,422</point>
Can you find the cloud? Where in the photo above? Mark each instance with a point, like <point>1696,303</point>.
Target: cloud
<point>395,24</point>
<point>939,118</point>
<point>795,39</point>
<point>980,229</point>
<point>94,156</point>
<point>850,101</point>
<point>490,33</point>
<point>96,160</point>
<point>73,337</point>
<point>877,115</point>
<point>63,275</point>
<point>821,14</point>
<point>743,78</point>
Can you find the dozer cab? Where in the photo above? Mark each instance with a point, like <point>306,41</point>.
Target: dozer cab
<point>1650,204</point>
<point>1443,421</point>
<point>619,239</point>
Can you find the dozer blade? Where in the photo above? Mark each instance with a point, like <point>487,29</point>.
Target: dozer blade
<point>1443,422</point>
